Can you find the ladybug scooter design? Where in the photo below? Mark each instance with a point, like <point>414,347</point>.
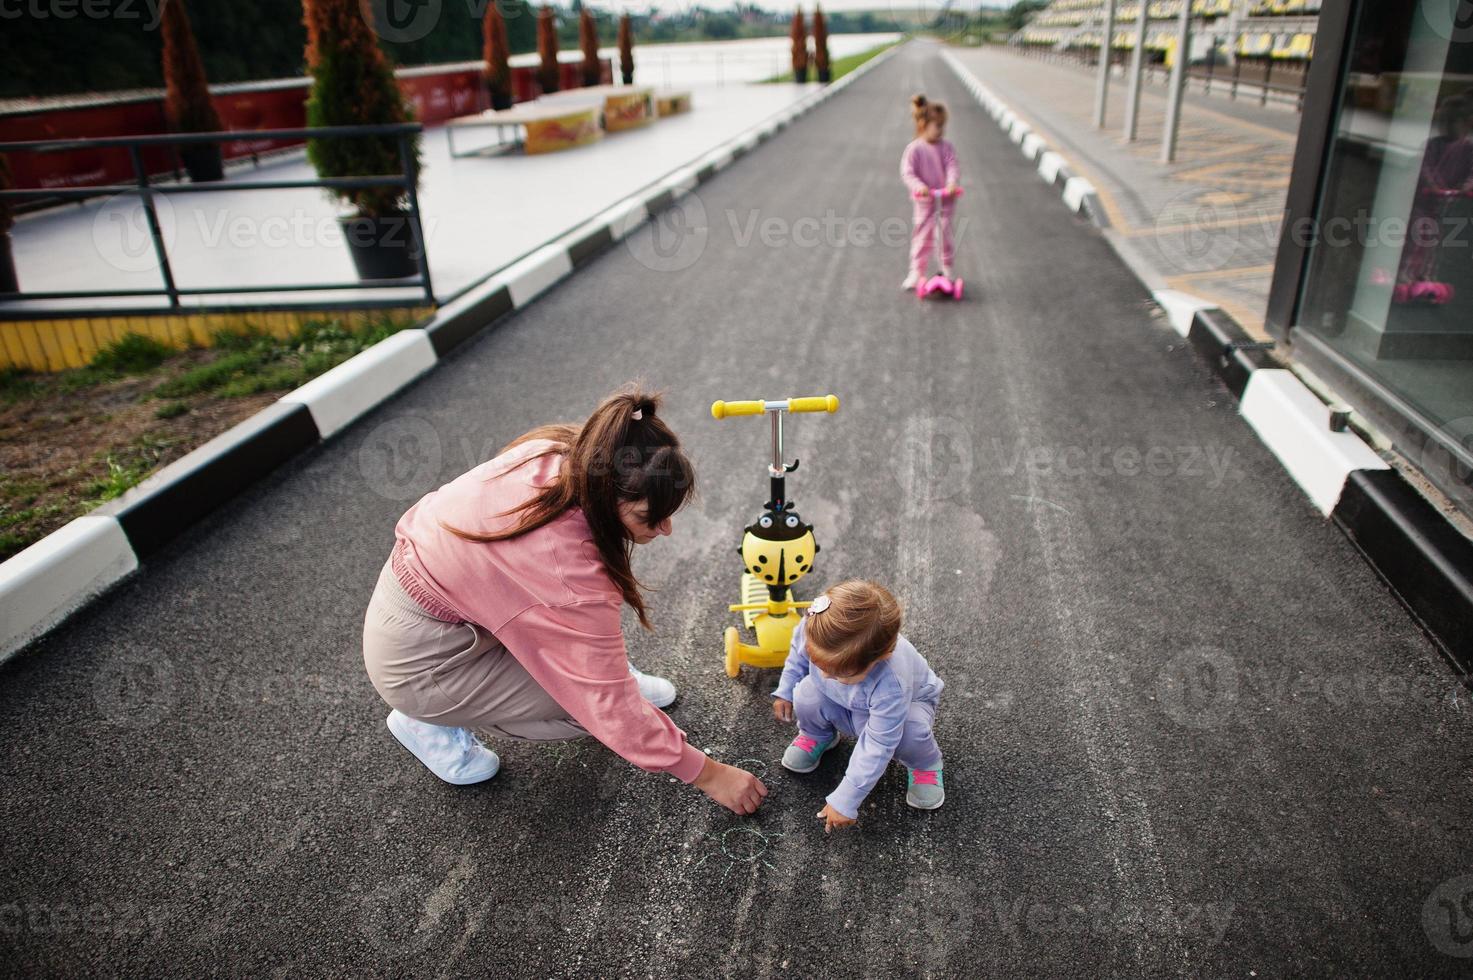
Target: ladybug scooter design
<point>777,548</point>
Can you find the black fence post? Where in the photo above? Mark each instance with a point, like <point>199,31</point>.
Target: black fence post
<point>145,194</point>
<point>411,186</point>
<point>1268,73</point>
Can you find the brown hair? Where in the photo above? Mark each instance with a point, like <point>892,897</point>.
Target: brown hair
<point>859,627</point>
<point>924,112</point>
<point>611,457</point>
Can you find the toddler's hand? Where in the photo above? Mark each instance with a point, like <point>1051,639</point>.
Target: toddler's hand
<point>922,195</point>
<point>833,818</point>
<point>953,191</point>
<point>782,710</point>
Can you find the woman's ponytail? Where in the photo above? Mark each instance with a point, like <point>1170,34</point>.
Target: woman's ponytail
<point>622,452</point>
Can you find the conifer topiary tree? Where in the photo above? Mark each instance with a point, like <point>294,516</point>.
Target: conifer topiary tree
<point>187,103</point>
<point>820,45</point>
<point>547,69</point>
<point>626,50</point>
<point>588,41</point>
<point>799,37</point>
<point>353,85</point>
<point>498,67</point>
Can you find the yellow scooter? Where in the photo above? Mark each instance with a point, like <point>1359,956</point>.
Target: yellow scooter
<point>777,548</point>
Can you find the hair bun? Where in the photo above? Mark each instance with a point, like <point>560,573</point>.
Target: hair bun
<point>918,101</point>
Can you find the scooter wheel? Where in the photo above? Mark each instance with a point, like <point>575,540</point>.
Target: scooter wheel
<point>733,664</point>
<point>957,292</point>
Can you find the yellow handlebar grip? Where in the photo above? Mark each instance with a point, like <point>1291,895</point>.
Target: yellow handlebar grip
<point>720,410</point>
<point>821,403</point>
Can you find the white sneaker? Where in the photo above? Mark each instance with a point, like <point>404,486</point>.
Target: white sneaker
<point>946,271</point>
<point>656,690</point>
<point>453,754</point>
<point>910,281</point>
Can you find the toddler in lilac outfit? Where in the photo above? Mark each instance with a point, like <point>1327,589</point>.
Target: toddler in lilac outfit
<point>929,164</point>
<point>849,670</point>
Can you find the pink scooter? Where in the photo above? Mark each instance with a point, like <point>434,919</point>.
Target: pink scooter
<point>939,283</point>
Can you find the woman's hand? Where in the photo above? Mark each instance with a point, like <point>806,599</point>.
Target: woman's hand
<point>833,818</point>
<point>782,710</point>
<point>736,789</point>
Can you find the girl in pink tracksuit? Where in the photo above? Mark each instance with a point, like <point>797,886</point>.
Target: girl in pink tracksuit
<point>929,163</point>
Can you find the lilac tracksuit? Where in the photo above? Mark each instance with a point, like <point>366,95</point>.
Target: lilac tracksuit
<point>891,711</point>
<point>925,166</point>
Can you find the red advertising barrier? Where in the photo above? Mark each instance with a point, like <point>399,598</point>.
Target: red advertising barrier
<point>437,93</point>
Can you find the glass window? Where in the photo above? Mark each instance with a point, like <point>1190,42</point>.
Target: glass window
<point>1387,304</point>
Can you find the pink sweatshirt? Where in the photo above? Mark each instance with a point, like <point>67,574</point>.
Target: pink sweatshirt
<point>544,595</point>
<point>927,166</point>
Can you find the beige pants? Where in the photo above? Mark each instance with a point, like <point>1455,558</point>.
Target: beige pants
<point>454,674</point>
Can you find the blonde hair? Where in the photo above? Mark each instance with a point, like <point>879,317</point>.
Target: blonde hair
<point>859,626</point>
<point>925,112</point>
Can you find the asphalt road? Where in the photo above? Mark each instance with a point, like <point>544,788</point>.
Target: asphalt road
<point>1187,730</point>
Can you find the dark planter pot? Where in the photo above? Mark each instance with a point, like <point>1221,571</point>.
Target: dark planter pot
<point>203,161</point>
<point>825,75</point>
<point>382,247</point>
<point>500,101</point>
<point>8,281</point>
<point>628,77</point>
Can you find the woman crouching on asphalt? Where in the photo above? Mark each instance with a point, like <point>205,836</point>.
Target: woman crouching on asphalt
<point>498,608</point>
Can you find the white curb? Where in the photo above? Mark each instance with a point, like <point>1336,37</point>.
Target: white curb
<point>1295,425</point>
<point>530,277</point>
<point>1181,308</point>
<point>59,574</point>
<point>1076,189</point>
<point>1049,163</point>
<point>337,397</point>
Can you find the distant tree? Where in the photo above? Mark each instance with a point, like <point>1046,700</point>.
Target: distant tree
<point>498,69</point>
<point>547,69</point>
<point>1019,12</point>
<point>820,45</point>
<point>187,103</point>
<point>626,50</point>
<point>588,41</point>
<point>799,37</point>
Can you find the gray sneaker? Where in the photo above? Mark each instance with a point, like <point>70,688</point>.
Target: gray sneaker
<point>804,753</point>
<point>924,789</point>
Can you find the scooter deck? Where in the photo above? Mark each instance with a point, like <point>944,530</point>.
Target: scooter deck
<point>754,590</point>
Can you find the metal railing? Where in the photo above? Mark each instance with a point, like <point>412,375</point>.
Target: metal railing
<point>146,190</point>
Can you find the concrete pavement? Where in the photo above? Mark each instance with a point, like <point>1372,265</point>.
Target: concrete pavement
<point>1187,729</point>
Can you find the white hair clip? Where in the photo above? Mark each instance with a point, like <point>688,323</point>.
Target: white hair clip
<point>638,414</point>
<point>819,605</point>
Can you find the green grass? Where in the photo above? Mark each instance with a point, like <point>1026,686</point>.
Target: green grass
<point>242,362</point>
<point>17,385</point>
<point>127,467</point>
<point>842,66</point>
<point>131,354</point>
<point>253,362</point>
